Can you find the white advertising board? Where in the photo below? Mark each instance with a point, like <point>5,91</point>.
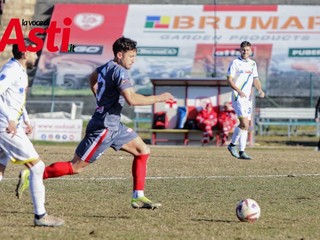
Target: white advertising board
<point>58,130</point>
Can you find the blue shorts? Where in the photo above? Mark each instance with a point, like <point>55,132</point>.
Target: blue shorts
<point>98,139</point>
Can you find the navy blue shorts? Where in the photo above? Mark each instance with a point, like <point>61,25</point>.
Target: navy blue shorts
<point>97,140</point>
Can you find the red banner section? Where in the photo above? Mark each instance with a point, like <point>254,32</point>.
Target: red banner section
<point>93,24</point>
<point>93,30</point>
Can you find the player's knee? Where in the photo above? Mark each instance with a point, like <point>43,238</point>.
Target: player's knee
<point>144,149</point>
<point>244,126</point>
<point>36,167</point>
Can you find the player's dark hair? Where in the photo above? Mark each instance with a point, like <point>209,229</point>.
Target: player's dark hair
<point>123,45</point>
<point>15,48</point>
<point>245,44</point>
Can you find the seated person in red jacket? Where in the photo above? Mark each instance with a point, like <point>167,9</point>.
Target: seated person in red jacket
<point>206,120</point>
<point>226,121</point>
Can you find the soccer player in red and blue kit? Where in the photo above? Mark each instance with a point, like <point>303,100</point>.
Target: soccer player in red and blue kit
<point>111,87</point>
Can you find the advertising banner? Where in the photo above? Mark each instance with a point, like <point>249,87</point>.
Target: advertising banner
<point>187,41</point>
<point>58,130</point>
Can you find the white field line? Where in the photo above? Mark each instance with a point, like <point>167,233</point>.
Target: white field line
<point>183,177</point>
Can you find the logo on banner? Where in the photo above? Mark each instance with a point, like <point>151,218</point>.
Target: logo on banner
<point>230,52</point>
<point>231,22</point>
<point>88,21</point>
<point>158,51</point>
<point>85,49</point>
<point>171,104</point>
<point>157,22</point>
<point>304,52</point>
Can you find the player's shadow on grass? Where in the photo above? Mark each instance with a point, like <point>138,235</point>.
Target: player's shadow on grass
<point>212,220</point>
<point>15,215</point>
<point>301,143</point>
<point>103,216</point>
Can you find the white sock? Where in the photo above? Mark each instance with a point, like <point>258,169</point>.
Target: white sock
<point>37,189</point>
<point>236,135</point>
<point>1,177</point>
<point>243,140</point>
<point>137,193</point>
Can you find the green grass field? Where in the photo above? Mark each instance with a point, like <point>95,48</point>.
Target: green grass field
<point>198,187</point>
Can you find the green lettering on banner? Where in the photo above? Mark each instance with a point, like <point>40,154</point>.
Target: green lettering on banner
<point>158,51</point>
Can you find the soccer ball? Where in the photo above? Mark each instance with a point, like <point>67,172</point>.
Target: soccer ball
<point>248,210</point>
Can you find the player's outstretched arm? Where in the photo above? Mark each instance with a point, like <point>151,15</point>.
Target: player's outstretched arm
<point>135,99</point>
